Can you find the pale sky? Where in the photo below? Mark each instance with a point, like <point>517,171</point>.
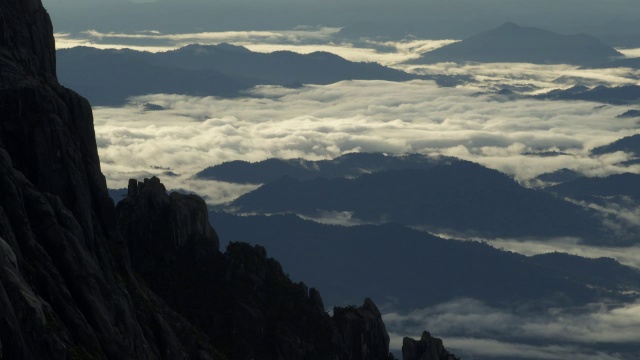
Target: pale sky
<point>438,18</point>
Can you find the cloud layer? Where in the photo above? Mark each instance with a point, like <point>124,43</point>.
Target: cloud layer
<point>471,328</point>
<point>317,122</point>
<point>302,40</point>
<point>520,76</point>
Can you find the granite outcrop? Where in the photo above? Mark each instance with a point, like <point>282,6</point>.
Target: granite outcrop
<point>241,299</point>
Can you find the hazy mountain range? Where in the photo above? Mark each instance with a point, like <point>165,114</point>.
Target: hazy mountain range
<point>584,188</point>
<point>617,95</point>
<point>629,144</point>
<point>338,259</point>
<point>460,197</point>
<point>345,166</point>
<point>415,271</point>
<point>110,77</point>
<point>513,43</point>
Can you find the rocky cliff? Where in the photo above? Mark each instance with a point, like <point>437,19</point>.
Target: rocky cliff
<point>68,289</point>
<point>427,348</point>
<point>241,299</point>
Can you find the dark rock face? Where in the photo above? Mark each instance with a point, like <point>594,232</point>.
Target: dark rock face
<point>346,166</point>
<point>241,299</point>
<point>66,289</point>
<point>427,348</point>
<point>205,70</point>
<point>460,196</point>
<point>363,331</point>
<point>149,214</point>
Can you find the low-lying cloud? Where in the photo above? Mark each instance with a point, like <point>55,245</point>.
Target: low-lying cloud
<point>157,41</point>
<point>319,122</point>
<point>629,256</point>
<point>471,328</point>
<point>302,40</point>
<point>520,77</point>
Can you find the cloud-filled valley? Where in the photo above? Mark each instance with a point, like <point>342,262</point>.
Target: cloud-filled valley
<point>317,122</point>
<point>472,327</point>
<point>183,135</point>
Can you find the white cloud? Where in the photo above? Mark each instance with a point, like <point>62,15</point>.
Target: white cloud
<point>301,35</point>
<point>499,349</point>
<point>522,76</point>
<point>470,327</point>
<point>319,122</point>
<point>626,255</point>
<point>631,53</point>
<point>302,40</point>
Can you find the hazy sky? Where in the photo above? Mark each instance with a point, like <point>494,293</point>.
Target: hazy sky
<point>433,18</point>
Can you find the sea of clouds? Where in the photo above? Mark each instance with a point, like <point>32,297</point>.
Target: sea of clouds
<point>472,328</point>
<point>321,122</point>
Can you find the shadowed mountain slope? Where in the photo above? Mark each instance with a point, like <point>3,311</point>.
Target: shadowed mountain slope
<point>279,67</point>
<point>109,77</point>
<point>616,95</point>
<point>413,269</point>
<point>461,197</point>
<point>347,166</point>
<point>610,186</point>
<point>629,144</point>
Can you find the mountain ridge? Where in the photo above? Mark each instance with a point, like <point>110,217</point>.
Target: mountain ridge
<point>513,43</point>
<point>461,196</point>
<point>110,77</point>
<point>347,165</point>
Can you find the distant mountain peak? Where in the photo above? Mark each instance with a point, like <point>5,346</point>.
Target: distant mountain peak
<point>509,26</point>
<point>510,42</point>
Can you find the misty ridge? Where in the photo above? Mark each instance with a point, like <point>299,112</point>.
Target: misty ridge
<point>110,77</point>
<point>512,43</point>
<point>346,166</point>
<point>460,197</point>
